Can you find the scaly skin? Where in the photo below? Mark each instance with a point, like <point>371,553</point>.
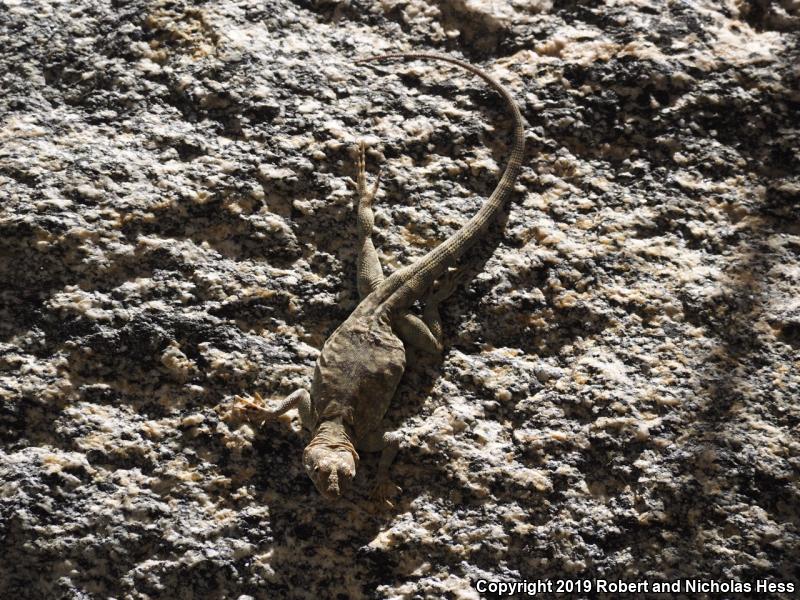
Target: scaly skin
<point>363,360</point>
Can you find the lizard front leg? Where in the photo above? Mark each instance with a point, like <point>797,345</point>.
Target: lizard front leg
<point>299,399</point>
<point>388,444</point>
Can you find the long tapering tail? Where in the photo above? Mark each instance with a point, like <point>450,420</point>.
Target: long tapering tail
<point>406,285</point>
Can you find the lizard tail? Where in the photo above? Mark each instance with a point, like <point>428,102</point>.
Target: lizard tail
<point>406,285</point>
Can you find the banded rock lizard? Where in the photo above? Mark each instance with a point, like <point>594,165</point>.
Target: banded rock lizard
<point>361,363</point>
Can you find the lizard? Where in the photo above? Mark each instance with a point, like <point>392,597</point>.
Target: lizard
<point>361,363</point>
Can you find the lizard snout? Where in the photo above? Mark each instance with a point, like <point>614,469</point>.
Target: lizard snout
<point>333,484</point>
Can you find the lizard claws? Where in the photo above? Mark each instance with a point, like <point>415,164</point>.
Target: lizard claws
<point>256,403</point>
<point>447,284</point>
<point>366,197</point>
<point>384,490</point>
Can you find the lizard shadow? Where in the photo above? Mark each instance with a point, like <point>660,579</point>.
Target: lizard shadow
<point>302,527</point>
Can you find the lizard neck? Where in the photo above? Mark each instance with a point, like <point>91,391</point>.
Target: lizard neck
<point>335,434</point>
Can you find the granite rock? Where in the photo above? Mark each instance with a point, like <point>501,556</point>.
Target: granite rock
<point>618,397</point>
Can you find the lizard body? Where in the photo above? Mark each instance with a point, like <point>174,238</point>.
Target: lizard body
<point>361,363</point>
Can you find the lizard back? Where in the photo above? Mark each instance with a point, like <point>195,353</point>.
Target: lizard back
<point>358,371</point>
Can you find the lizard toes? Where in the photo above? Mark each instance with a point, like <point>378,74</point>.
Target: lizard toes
<point>383,491</point>
<point>243,403</point>
<point>250,408</point>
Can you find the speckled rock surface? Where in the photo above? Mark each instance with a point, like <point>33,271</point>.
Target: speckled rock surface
<point>618,396</point>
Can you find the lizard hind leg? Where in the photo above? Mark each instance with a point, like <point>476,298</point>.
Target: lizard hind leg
<point>443,289</point>
<point>426,334</point>
<point>370,273</point>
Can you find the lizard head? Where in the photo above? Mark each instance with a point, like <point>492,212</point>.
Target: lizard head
<point>330,461</point>
<point>331,469</point>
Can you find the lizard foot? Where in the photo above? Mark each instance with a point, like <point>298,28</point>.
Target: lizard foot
<point>447,284</point>
<point>256,408</point>
<point>250,405</point>
<point>367,197</point>
<point>383,491</point>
